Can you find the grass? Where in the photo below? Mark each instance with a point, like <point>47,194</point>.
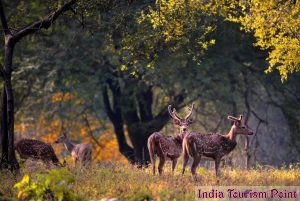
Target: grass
<point>128,183</point>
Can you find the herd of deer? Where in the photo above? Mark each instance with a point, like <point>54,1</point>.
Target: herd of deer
<point>38,150</point>
<point>191,144</point>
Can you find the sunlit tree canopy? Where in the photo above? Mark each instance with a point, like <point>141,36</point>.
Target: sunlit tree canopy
<point>275,25</point>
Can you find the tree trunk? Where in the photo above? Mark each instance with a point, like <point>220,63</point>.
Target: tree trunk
<point>248,154</point>
<point>115,115</point>
<point>248,106</point>
<point>7,123</point>
<point>133,106</point>
<point>8,158</point>
<point>141,149</point>
<point>4,137</point>
<point>124,148</point>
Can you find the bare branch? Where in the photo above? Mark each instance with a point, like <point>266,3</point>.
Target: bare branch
<point>90,131</point>
<point>4,20</point>
<point>43,24</point>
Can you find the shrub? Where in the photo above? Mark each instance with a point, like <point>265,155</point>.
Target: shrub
<point>53,185</point>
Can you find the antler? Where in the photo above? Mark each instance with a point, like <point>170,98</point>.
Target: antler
<point>173,113</point>
<point>234,118</point>
<point>191,111</point>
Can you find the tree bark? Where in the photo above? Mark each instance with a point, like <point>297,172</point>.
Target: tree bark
<point>4,137</point>
<point>9,105</point>
<point>247,104</point>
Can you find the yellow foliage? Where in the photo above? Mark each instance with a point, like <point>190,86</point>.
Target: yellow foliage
<point>179,20</point>
<point>276,26</point>
<point>62,97</point>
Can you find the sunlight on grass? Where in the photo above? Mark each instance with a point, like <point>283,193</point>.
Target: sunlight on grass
<point>128,183</point>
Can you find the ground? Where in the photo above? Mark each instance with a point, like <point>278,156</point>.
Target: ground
<point>106,180</point>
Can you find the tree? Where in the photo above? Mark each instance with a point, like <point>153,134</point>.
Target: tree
<point>275,24</point>
<point>130,68</point>
<point>11,38</point>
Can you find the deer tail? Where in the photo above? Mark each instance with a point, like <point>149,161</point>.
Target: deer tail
<point>151,145</point>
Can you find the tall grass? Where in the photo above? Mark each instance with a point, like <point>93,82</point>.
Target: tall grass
<point>128,183</point>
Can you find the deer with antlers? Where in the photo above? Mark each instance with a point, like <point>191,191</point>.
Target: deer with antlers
<point>214,146</point>
<point>169,147</point>
<point>79,152</point>
<point>37,150</point>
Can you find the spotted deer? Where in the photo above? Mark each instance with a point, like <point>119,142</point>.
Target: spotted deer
<point>214,146</point>
<point>169,147</point>
<point>79,152</point>
<point>37,150</point>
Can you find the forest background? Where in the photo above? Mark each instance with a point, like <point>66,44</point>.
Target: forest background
<point>105,71</point>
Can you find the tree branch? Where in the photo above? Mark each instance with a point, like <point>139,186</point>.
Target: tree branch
<point>45,23</point>
<point>108,109</point>
<point>159,121</point>
<point>90,131</point>
<point>145,99</point>
<point>4,20</point>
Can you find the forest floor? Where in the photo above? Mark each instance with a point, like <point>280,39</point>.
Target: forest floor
<point>128,183</point>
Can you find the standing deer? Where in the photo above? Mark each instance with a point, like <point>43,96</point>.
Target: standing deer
<point>214,146</point>
<point>168,147</point>
<point>79,152</point>
<point>37,150</point>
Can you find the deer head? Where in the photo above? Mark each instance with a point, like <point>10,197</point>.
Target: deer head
<point>183,123</point>
<point>239,127</point>
<point>62,138</point>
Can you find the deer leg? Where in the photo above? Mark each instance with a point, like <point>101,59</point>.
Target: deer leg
<point>161,164</point>
<point>48,165</point>
<point>153,165</point>
<point>174,162</point>
<point>185,161</point>
<point>74,162</point>
<point>81,163</point>
<point>194,166</point>
<point>217,166</point>
<point>152,159</point>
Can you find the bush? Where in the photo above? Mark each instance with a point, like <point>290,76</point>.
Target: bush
<point>53,185</point>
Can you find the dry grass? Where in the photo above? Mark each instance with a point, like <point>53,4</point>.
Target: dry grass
<point>128,183</point>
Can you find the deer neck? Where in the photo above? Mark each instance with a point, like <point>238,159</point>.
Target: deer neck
<point>178,138</point>
<point>231,135</point>
<point>69,146</point>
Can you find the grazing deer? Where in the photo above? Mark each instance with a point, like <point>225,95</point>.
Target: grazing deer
<point>37,150</point>
<point>79,152</point>
<point>214,146</point>
<point>168,147</point>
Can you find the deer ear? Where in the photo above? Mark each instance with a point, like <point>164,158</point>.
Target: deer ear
<point>190,120</point>
<point>241,117</point>
<point>175,121</point>
<point>231,118</point>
